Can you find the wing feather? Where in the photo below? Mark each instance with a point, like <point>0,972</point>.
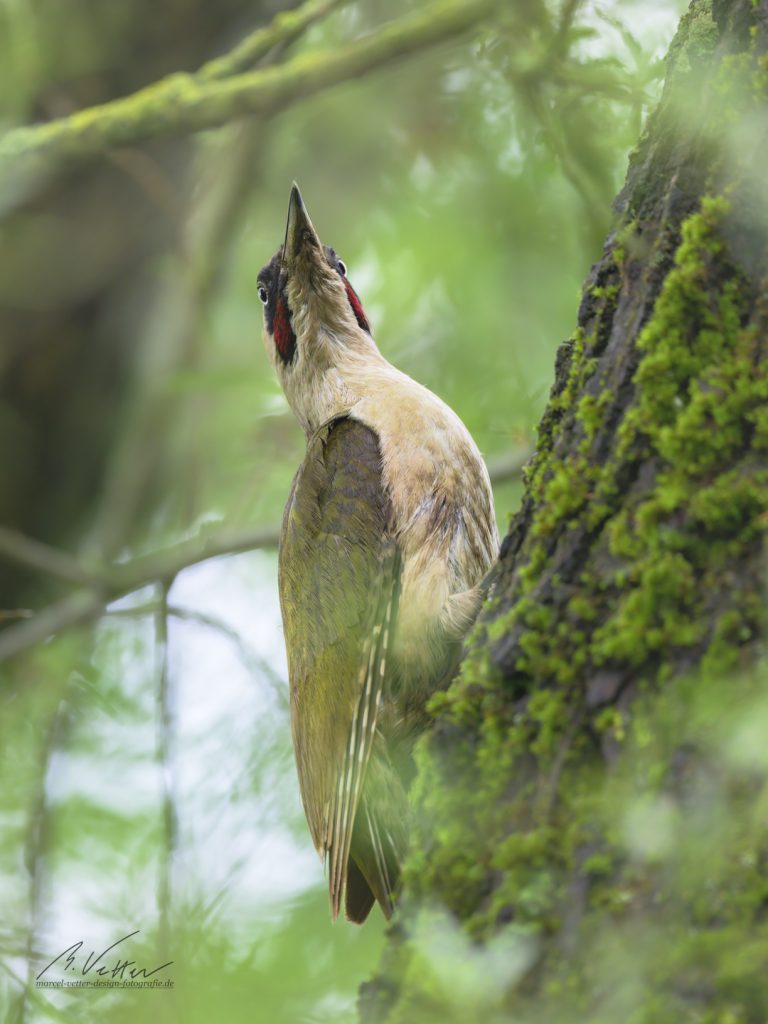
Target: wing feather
<point>339,570</point>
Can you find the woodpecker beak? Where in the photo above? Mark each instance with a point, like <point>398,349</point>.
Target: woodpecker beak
<point>300,236</point>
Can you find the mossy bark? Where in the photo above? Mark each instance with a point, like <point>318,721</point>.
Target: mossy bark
<point>592,841</point>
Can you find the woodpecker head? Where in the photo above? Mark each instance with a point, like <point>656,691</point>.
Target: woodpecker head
<point>313,318</point>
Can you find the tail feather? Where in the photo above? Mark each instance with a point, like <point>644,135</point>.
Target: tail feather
<point>380,835</point>
<point>383,878</point>
<point>371,685</point>
<point>359,899</point>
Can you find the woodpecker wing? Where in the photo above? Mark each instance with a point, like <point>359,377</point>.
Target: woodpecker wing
<point>339,570</point>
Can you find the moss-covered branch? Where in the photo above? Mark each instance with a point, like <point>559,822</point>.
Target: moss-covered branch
<point>185,103</point>
<point>285,28</point>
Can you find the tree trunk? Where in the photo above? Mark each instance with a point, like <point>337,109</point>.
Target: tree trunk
<point>592,838</point>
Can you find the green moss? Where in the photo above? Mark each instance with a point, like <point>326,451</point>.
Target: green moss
<point>656,613</point>
<point>591,413</point>
<point>580,609</point>
<point>565,493</point>
<point>548,713</point>
<point>699,403</point>
<point>626,244</point>
<point>607,292</point>
<point>695,40</point>
<point>612,722</point>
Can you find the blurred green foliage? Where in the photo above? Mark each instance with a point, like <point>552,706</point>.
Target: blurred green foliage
<point>468,190</point>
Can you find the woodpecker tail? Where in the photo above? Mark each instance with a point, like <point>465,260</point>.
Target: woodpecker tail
<point>349,789</point>
<point>379,840</point>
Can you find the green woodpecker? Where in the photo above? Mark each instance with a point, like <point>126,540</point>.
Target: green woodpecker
<point>388,532</point>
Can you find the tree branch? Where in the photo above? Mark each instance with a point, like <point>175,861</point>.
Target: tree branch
<point>284,29</point>
<point>183,103</point>
<point>121,579</point>
<point>162,566</point>
<point>246,654</point>
<point>249,658</point>
<point>71,610</point>
<point>168,563</point>
<point>34,554</point>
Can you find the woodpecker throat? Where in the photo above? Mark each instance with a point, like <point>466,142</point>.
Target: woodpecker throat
<point>388,533</point>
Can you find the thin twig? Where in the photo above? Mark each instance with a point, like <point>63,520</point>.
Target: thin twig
<point>561,41</point>
<point>119,580</point>
<point>247,655</point>
<point>36,846</point>
<point>169,562</point>
<point>80,606</point>
<point>284,29</point>
<point>34,554</point>
<point>164,763</point>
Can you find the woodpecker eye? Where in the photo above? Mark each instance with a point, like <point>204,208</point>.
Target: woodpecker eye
<point>263,294</point>
<point>342,268</point>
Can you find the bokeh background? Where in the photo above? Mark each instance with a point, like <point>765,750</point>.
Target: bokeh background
<point>147,778</point>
